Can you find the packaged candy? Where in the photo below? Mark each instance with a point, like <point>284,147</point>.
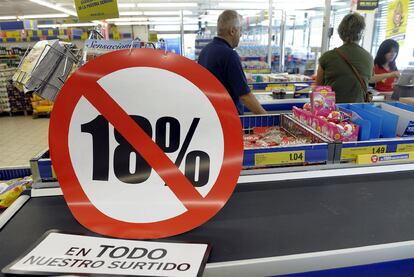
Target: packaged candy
<point>11,190</point>
<point>322,101</point>
<point>307,107</point>
<point>335,117</point>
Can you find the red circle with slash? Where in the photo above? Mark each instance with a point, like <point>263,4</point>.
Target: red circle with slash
<point>83,83</point>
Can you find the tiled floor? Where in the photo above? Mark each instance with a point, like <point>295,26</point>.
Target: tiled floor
<point>21,138</point>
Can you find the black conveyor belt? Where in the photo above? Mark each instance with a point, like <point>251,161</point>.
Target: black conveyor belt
<point>265,219</point>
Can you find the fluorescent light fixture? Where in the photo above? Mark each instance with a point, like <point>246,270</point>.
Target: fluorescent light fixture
<point>161,13</point>
<point>169,28</point>
<point>50,15</point>
<point>167,5</point>
<point>67,25</point>
<point>170,18</point>
<point>47,26</point>
<point>126,5</point>
<point>243,5</point>
<point>147,23</point>
<point>123,19</point>
<point>131,13</point>
<point>79,24</point>
<point>8,17</point>
<point>54,6</point>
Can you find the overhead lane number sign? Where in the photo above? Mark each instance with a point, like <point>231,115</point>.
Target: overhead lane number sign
<point>145,144</point>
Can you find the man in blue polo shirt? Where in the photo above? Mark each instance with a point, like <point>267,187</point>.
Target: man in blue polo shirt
<point>220,59</point>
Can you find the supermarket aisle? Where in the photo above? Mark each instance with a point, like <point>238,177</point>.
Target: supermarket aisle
<point>21,138</point>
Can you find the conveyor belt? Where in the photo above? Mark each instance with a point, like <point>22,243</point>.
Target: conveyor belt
<point>265,219</point>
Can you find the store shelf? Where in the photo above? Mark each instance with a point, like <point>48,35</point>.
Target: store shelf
<point>321,151</point>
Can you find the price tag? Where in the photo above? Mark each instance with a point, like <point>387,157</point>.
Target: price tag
<point>407,147</point>
<point>279,158</point>
<point>385,158</point>
<point>352,153</point>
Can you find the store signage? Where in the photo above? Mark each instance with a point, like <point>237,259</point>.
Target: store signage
<point>58,253</point>
<point>96,9</point>
<point>406,147</point>
<point>397,19</point>
<point>385,158</point>
<point>145,144</point>
<point>97,47</point>
<point>351,153</point>
<point>279,158</point>
<point>367,5</point>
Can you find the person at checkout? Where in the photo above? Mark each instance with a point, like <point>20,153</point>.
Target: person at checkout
<point>385,69</point>
<point>220,58</point>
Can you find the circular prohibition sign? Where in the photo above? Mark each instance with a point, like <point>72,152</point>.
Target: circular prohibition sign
<point>85,84</point>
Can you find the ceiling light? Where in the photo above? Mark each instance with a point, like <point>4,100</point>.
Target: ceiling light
<point>147,23</point>
<point>50,15</point>
<point>54,6</point>
<point>160,13</point>
<point>67,25</point>
<point>167,5</point>
<point>131,13</point>
<point>8,17</point>
<point>238,5</point>
<point>127,19</point>
<point>47,26</point>
<point>79,25</point>
<point>126,5</point>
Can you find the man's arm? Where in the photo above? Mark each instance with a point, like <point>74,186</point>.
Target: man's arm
<point>250,101</point>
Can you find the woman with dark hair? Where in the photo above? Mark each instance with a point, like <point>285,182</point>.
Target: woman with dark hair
<point>347,69</point>
<point>385,69</point>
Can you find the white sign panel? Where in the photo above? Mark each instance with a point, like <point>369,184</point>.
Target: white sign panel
<point>59,253</point>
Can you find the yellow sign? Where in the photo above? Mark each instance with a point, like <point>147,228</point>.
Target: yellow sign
<point>397,19</point>
<point>89,10</point>
<point>288,87</point>
<point>385,158</point>
<point>352,153</point>
<point>153,37</point>
<point>408,147</point>
<point>279,158</point>
<point>257,71</point>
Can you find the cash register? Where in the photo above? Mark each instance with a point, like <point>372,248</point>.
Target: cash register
<point>405,85</point>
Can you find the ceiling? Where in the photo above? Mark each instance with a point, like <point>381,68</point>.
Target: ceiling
<point>62,13</point>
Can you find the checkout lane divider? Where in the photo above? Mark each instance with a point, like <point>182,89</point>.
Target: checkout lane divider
<point>297,175</point>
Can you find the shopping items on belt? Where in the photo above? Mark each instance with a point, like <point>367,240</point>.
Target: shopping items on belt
<point>11,190</point>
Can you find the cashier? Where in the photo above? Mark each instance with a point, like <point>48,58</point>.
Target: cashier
<point>385,69</point>
<point>220,58</point>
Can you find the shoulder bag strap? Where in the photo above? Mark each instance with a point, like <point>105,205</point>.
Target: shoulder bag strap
<point>354,70</point>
